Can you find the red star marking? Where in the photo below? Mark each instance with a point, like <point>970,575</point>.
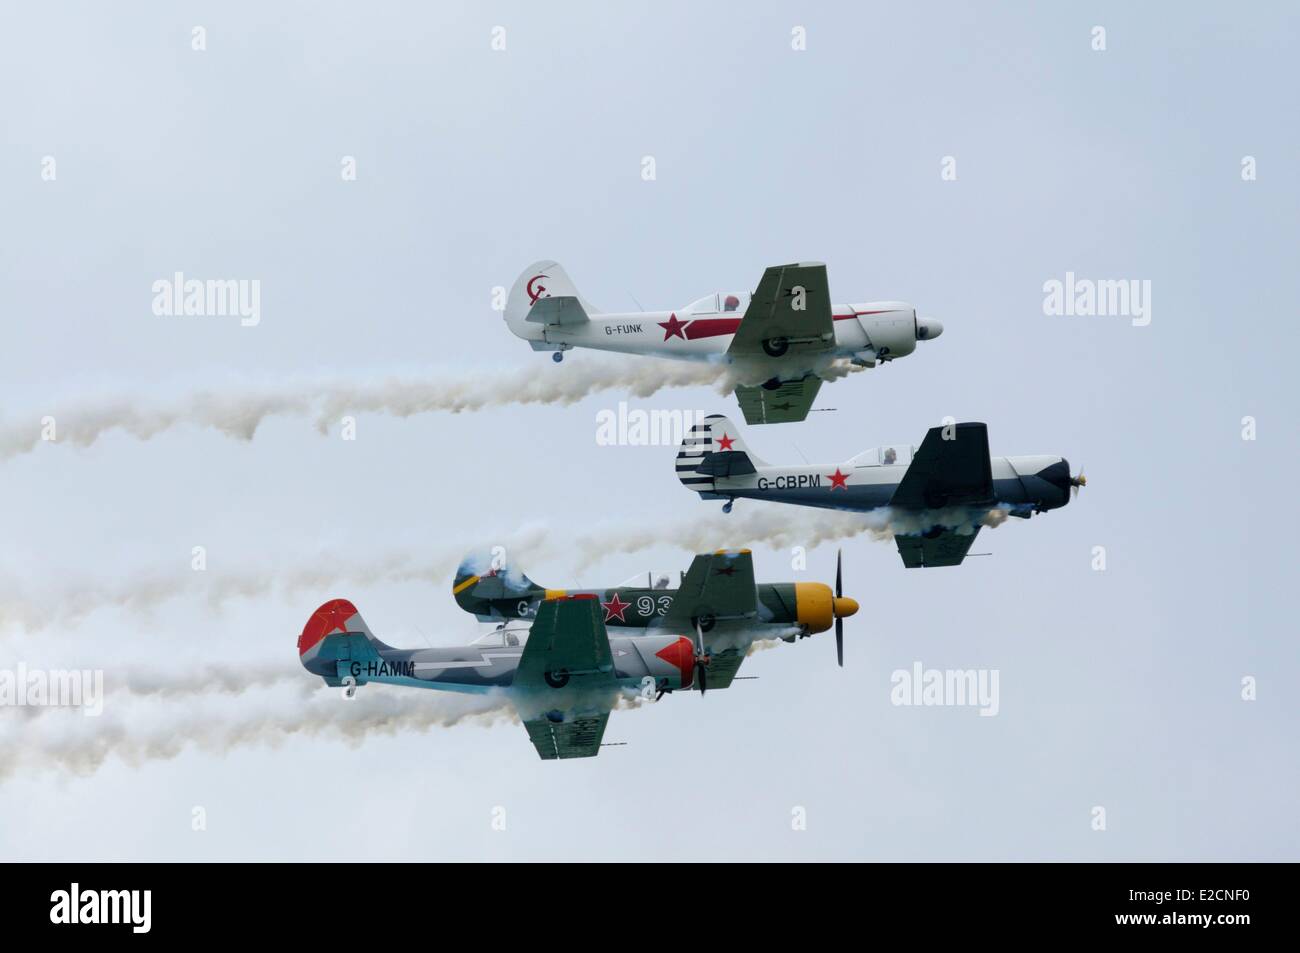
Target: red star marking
<point>673,328</point>
<point>838,480</point>
<point>330,617</point>
<point>615,608</point>
<point>336,615</point>
<point>726,442</point>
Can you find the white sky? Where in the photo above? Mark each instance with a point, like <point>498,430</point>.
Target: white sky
<point>1119,689</point>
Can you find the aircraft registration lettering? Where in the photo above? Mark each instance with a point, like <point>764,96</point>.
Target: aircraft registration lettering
<point>383,668</point>
<point>611,329</point>
<point>791,482</point>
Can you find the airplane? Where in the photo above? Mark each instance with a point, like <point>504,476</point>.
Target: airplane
<point>781,340</point>
<point>937,494</point>
<point>566,672</point>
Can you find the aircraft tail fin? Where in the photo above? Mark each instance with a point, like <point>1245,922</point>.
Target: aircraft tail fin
<point>336,633</point>
<point>542,295</point>
<point>712,451</point>
<point>483,577</point>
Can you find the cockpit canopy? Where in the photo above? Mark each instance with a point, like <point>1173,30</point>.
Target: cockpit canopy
<point>897,454</point>
<point>654,579</point>
<point>723,302</point>
<point>503,636</point>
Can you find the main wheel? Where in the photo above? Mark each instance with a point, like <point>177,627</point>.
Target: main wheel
<point>775,347</point>
<point>557,356</point>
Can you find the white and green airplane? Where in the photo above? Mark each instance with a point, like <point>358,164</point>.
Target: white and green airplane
<point>781,340</point>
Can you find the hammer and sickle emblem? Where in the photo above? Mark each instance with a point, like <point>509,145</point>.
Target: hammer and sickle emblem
<point>533,295</point>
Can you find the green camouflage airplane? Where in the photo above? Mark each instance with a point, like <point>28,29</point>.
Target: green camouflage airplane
<point>567,672</point>
<point>708,595</point>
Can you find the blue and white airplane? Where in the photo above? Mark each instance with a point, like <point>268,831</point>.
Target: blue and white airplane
<point>938,493</point>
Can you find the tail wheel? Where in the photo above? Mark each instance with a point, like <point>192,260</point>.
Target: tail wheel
<point>775,347</point>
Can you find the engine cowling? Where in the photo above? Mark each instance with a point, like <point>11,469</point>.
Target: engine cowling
<point>670,659</point>
<point>891,333</point>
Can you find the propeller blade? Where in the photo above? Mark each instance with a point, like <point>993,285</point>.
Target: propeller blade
<point>702,674</point>
<point>839,639</point>
<point>839,577</point>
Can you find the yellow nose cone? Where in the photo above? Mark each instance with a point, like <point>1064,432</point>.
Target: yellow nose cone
<point>845,607</point>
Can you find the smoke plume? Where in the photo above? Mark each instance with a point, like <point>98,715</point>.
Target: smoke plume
<point>535,549</point>
<point>240,409</point>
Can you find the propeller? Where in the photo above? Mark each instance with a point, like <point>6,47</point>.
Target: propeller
<point>1076,482</point>
<point>839,593</point>
<point>701,660</point>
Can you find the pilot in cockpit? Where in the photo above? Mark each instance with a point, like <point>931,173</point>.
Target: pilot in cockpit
<point>891,457</point>
<point>730,303</point>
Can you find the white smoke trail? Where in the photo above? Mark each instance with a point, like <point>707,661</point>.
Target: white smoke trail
<point>774,527</point>
<point>240,410</point>
<point>209,679</point>
<point>157,729</point>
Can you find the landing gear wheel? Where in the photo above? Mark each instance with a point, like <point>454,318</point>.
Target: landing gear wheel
<point>726,507</point>
<point>775,347</point>
<point>771,383</point>
<point>706,622</point>
<point>557,356</point>
<point>556,679</point>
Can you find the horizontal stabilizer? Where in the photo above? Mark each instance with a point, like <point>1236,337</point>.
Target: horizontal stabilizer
<point>558,311</point>
<point>727,463</point>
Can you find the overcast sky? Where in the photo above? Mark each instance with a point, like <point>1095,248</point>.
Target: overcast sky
<point>1120,689</point>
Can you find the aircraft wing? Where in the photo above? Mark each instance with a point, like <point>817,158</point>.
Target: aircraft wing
<point>788,403</point>
<point>579,738</point>
<point>567,638</point>
<point>718,584</point>
<point>948,472</point>
<point>792,304</point>
<point>941,548</point>
<point>568,647</point>
<point>723,667</point>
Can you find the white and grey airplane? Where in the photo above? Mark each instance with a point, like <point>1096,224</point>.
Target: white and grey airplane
<point>938,494</point>
<point>781,339</point>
